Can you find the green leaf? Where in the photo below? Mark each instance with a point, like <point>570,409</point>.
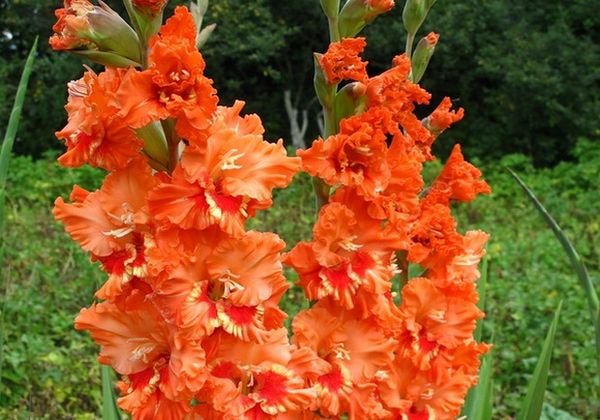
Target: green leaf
<point>109,403</point>
<point>576,262</point>
<point>5,153</point>
<point>11,130</point>
<point>531,408</point>
<point>478,404</point>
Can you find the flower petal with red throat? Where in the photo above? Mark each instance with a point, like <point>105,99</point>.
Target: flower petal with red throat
<point>94,133</point>
<point>251,264</point>
<point>241,164</point>
<point>136,340</point>
<point>129,341</point>
<point>87,223</point>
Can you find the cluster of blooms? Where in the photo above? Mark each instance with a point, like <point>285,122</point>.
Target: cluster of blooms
<point>414,360</point>
<point>189,315</point>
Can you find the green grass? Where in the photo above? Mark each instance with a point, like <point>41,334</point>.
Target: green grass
<point>50,371</point>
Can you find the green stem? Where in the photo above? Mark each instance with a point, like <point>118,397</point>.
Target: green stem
<point>334,30</point>
<point>410,40</point>
<point>173,141</point>
<point>403,267</point>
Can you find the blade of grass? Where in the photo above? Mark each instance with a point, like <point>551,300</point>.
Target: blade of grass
<point>476,393</point>
<point>109,402</point>
<point>478,405</point>
<point>11,130</point>
<point>531,408</point>
<point>5,152</point>
<point>576,262</point>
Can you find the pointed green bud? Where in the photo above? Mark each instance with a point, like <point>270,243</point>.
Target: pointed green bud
<point>111,33</point>
<point>331,8</point>
<point>414,14</point>
<point>356,14</point>
<point>350,100</point>
<point>155,143</point>
<point>198,10</point>
<point>82,25</point>
<point>205,34</point>
<point>422,55</point>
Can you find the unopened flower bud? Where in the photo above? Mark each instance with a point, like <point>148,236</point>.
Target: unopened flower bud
<point>414,14</point>
<point>350,100</point>
<point>150,7</point>
<point>331,8</point>
<point>357,13</point>
<point>82,25</point>
<point>422,55</point>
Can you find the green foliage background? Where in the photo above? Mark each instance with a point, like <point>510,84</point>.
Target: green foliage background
<point>526,72</point>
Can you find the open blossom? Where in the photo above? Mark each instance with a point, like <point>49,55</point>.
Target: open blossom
<point>351,255</point>
<point>342,61</point>
<point>111,224</point>
<point>174,86</point>
<point>226,180</point>
<point>248,380</point>
<point>95,133</point>
<point>155,361</point>
<point>229,284</point>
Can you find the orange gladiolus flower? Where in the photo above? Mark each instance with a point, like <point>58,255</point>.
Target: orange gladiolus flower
<point>174,85</point>
<point>229,284</point>
<point>342,61</point>
<point>156,361</point>
<point>226,180</point>
<point>443,117</point>
<point>95,134</point>
<point>459,180</point>
<point>350,255</point>
<point>111,224</point>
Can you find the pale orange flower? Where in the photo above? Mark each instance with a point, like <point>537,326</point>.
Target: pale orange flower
<point>434,320</point>
<point>229,284</point>
<point>226,180</point>
<point>150,353</point>
<point>249,380</point>
<point>111,224</point>
<point>95,134</point>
